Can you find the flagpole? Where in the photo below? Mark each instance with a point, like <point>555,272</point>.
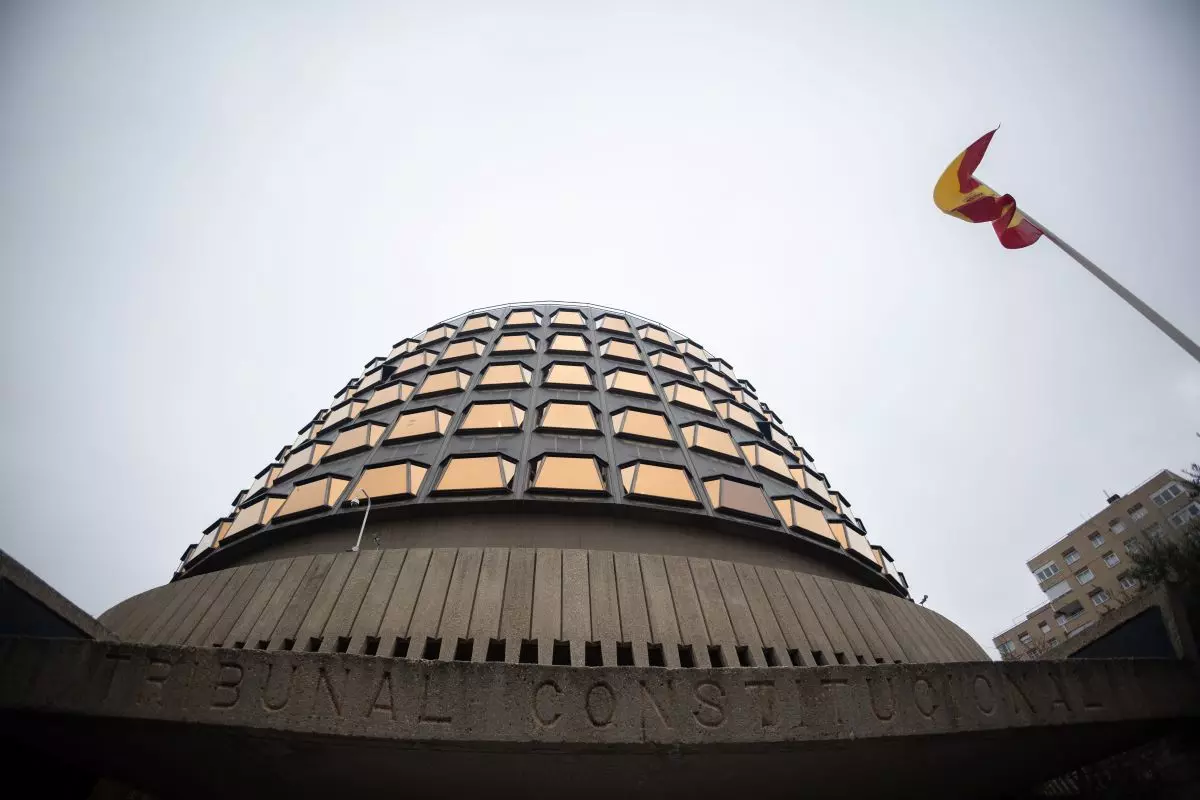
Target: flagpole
<point>1146,311</point>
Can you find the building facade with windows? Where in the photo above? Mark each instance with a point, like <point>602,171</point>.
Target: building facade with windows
<point>1084,575</point>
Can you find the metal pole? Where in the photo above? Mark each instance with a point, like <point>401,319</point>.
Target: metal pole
<point>363,527</point>
<point>1146,311</point>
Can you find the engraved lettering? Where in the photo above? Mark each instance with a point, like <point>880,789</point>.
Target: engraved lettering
<point>600,704</point>
<point>546,694</point>
<point>648,698</point>
<point>277,705</point>
<point>227,690</point>
<point>1060,697</point>
<point>883,712</point>
<point>389,703</point>
<point>924,698</point>
<point>764,694</point>
<point>711,714</point>
<point>324,680</point>
<point>951,695</point>
<point>424,715</point>
<point>831,691</point>
<point>985,695</point>
<point>1018,692</point>
<point>157,672</point>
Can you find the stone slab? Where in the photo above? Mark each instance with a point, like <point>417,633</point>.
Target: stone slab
<point>353,695</point>
<point>630,722</point>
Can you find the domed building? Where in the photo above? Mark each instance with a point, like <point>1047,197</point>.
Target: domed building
<point>547,484</point>
<point>544,549</point>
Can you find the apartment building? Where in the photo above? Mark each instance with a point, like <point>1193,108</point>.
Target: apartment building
<point>1085,574</point>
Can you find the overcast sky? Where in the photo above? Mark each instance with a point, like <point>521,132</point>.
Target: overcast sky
<point>212,214</point>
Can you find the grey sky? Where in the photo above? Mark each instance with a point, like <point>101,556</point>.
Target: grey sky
<point>212,214</point>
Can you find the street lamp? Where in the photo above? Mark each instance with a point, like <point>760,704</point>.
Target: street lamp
<point>367,513</point>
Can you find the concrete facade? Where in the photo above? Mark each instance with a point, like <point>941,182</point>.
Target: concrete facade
<point>206,722</point>
<point>1083,573</point>
<point>546,549</point>
<point>544,606</point>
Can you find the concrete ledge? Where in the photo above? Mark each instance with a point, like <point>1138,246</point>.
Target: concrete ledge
<point>426,701</point>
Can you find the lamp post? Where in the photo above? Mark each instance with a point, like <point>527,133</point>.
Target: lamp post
<point>367,513</point>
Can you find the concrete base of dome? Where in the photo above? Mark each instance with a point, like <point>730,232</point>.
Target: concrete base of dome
<point>544,605</point>
<point>204,722</point>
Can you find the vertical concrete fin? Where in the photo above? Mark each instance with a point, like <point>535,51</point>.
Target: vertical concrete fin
<point>398,616</point>
<point>664,627</point>
<point>890,643</point>
<point>793,631</point>
<point>814,626</point>
<point>764,615</point>
<point>744,627</point>
<point>427,614</point>
<point>287,629</point>
<point>875,653</point>
<point>280,598</point>
<point>693,631</point>
<point>240,632</point>
<point>335,637</point>
<point>149,605</point>
<point>576,603</point>
<point>203,602</point>
<point>309,635</point>
<point>518,600</point>
<point>489,600</point>
<point>915,649</point>
<point>370,613</point>
<point>716,616</point>
<point>825,588</point>
<point>460,600</point>
<point>200,634</point>
<point>938,651</point>
<point>606,610</point>
<point>183,591</point>
<point>237,606</point>
<point>631,601</point>
<point>546,622</point>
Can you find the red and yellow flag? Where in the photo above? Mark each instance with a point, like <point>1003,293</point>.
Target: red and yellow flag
<point>960,194</point>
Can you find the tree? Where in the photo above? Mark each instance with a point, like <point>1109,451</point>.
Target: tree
<point>1172,560</point>
<point>1175,561</point>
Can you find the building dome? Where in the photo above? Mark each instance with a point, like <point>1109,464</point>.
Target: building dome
<point>546,483</point>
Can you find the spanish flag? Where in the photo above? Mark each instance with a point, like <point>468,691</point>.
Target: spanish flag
<point>960,194</point>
